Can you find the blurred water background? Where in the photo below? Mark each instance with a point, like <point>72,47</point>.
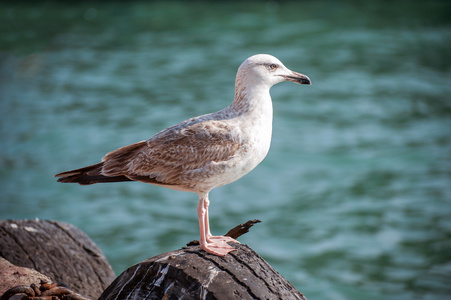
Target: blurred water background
<point>355,194</point>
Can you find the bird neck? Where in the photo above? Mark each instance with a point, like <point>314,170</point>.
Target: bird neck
<point>255,99</point>
<point>253,106</point>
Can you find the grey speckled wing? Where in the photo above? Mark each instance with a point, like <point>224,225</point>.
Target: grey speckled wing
<point>164,158</point>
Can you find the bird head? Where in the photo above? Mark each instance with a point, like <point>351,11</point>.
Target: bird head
<point>264,69</point>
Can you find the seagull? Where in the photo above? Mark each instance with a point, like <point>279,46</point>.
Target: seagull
<point>205,152</point>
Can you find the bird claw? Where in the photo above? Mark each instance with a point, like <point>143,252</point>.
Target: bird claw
<point>218,248</point>
<point>226,239</point>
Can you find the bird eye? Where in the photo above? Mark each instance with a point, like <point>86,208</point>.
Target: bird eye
<point>272,66</point>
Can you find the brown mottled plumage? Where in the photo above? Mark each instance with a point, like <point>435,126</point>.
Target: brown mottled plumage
<point>204,152</point>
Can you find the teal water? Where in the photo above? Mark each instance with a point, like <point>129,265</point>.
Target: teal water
<point>355,193</point>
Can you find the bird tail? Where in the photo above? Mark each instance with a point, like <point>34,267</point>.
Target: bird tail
<point>89,175</point>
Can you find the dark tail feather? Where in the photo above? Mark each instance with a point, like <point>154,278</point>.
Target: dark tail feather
<point>89,175</point>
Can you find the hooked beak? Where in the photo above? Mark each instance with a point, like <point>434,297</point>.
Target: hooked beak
<point>298,78</point>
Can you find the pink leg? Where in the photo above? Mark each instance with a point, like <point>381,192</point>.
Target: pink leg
<point>209,237</point>
<point>208,243</point>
